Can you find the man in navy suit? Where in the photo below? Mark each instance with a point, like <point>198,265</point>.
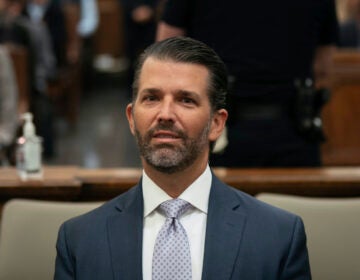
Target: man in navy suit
<point>176,115</point>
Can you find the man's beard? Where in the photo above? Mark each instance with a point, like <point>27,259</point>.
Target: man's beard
<point>171,158</point>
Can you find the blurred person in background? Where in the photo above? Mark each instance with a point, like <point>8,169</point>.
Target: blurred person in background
<point>18,29</point>
<point>51,12</point>
<point>140,19</point>
<point>80,48</point>
<point>350,27</point>
<point>8,106</point>
<point>86,25</point>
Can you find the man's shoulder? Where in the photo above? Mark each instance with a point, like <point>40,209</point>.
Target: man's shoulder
<point>258,205</point>
<point>98,216</point>
<point>254,208</point>
<point>262,217</point>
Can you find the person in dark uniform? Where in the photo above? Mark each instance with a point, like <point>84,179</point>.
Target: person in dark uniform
<point>278,54</point>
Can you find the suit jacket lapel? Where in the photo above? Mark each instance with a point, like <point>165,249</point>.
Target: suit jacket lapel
<point>125,231</point>
<point>223,232</point>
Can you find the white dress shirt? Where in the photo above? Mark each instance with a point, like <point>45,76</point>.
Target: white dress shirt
<point>194,220</point>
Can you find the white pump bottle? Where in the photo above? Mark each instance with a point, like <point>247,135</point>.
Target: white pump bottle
<point>28,155</point>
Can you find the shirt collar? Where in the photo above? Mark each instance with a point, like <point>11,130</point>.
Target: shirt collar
<point>197,194</point>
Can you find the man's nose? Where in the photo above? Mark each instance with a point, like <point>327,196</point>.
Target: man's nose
<point>166,111</point>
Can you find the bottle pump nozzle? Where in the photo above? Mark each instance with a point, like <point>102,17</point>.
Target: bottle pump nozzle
<point>29,128</point>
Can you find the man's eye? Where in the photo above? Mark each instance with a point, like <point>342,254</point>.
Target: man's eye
<point>150,98</point>
<point>187,100</point>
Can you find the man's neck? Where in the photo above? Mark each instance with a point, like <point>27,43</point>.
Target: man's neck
<point>175,184</point>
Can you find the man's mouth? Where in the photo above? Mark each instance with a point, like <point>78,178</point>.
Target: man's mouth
<point>165,134</point>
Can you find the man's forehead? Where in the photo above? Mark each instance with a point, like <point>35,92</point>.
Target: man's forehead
<point>164,66</point>
<point>169,60</point>
<point>169,68</point>
<point>167,75</point>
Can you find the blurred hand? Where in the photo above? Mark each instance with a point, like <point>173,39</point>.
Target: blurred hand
<point>142,14</point>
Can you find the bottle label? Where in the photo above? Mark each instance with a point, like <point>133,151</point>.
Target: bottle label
<point>32,155</point>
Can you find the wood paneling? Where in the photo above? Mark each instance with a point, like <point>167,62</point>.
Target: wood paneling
<point>109,35</point>
<point>341,116</point>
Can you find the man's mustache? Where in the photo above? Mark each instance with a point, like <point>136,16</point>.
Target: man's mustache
<point>166,127</point>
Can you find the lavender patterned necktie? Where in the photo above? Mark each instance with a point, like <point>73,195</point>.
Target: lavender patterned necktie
<point>171,259</point>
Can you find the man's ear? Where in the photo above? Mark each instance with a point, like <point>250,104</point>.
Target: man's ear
<point>217,124</point>
<point>130,117</point>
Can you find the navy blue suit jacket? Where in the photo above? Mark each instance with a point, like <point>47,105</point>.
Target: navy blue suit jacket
<point>245,239</point>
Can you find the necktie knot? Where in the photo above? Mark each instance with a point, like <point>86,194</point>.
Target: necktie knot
<point>174,208</point>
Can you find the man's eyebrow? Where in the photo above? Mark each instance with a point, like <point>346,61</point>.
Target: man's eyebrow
<point>188,93</point>
<point>150,90</point>
<point>182,92</point>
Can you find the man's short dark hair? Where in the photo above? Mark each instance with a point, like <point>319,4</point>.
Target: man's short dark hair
<point>187,50</point>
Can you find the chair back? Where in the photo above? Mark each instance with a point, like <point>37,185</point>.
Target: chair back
<point>28,236</point>
<point>332,227</point>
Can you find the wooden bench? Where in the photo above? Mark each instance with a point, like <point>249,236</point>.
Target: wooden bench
<point>77,184</point>
<point>70,183</point>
